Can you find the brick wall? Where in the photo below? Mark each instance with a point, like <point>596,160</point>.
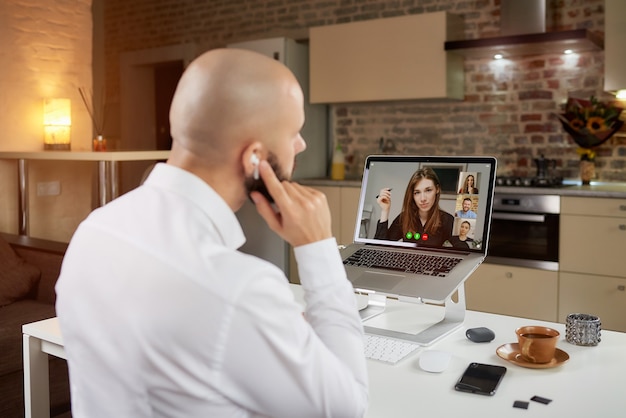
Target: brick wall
<point>508,107</point>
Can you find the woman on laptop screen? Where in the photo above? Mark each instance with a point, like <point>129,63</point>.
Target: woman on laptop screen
<point>421,220</point>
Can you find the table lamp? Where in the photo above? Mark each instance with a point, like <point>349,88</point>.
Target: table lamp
<point>57,121</point>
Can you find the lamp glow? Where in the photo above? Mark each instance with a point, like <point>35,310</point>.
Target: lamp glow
<point>57,121</point>
<point>498,56</point>
<point>621,94</point>
<point>568,51</point>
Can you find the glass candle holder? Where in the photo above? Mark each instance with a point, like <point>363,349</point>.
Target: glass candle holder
<point>582,329</point>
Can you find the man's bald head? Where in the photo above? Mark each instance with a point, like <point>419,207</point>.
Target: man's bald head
<point>225,98</point>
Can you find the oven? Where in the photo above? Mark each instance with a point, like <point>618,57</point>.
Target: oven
<point>525,231</point>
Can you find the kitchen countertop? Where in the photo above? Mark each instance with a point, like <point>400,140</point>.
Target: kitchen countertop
<point>599,189</point>
<point>330,183</point>
<point>614,190</point>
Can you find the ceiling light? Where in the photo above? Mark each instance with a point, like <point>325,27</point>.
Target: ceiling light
<point>498,56</point>
<point>568,51</point>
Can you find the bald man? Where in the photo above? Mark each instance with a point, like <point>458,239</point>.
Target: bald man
<point>162,316</point>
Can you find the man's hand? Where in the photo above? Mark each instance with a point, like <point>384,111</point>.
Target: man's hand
<point>301,216</point>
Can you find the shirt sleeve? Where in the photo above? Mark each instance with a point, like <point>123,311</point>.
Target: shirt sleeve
<point>316,358</point>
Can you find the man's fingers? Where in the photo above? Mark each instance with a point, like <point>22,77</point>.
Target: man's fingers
<point>265,209</point>
<point>271,181</point>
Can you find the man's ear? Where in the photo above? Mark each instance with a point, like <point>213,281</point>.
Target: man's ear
<point>254,160</point>
<point>252,156</point>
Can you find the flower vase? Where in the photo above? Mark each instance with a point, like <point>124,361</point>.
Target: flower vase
<point>587,171</point>
<point>99,143</point>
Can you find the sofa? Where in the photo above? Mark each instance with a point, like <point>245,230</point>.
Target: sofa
<point>29,269</point>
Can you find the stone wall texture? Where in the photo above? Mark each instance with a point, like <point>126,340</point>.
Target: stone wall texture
<point>508,107</point>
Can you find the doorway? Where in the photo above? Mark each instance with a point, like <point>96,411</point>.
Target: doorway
<point>148,79</point>
<point>166,76</point>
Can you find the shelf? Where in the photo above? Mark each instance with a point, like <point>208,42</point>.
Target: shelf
<point>578,40</point>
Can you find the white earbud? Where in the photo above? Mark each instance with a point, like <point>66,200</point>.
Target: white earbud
<point>255,162</point>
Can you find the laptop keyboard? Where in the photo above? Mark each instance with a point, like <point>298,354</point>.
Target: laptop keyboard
<point>431,265</point>
<point>387,350</point>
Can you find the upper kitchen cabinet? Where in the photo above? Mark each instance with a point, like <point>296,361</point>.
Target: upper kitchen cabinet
<point>395,58</point>
<point>615,53</point>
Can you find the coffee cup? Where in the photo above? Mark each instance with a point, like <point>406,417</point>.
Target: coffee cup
<point>537,344</point>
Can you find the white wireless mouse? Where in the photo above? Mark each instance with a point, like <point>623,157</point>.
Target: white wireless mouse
<point>434,361</point>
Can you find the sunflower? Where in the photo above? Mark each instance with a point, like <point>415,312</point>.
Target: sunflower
<point>596,124</point>
<point>577,124</point>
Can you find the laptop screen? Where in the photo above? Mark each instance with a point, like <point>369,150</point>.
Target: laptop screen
<point>432,202</point>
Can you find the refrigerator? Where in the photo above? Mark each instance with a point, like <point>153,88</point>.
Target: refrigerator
<point>312,163</point>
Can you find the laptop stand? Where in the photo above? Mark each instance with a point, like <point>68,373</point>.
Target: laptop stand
<point>454,316</point>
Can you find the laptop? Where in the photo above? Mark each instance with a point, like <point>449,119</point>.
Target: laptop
<point>452,251</point>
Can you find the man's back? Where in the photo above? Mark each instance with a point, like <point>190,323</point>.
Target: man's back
<point>180,324</point>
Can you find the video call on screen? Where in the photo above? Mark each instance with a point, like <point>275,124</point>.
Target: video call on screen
<point>467,205</point>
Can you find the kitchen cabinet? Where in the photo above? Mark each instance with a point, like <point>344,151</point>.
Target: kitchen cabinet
<point>593,236</point>
<point>614,54</point>
<point>592,275</point>
<point>604,296</point>
<point>349,202</point>
<point>393,58</point>
<point>515,291</point>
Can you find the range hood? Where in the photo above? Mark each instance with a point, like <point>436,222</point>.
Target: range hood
<point>615,51</point>
<point>523,30</point>
<point>577,40</point>
<point>517,42</point>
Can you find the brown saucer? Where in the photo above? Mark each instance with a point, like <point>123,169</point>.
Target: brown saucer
<point>510,352</point>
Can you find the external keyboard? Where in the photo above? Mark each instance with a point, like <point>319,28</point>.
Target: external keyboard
<point>388,350</point>
<point>430,265</point>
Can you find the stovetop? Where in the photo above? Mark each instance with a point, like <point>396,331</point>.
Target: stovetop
<point>512,181</point>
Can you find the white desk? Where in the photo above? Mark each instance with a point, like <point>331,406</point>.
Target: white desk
<point>107,172</point>
<point>591,384</point>
<point>40,339</point>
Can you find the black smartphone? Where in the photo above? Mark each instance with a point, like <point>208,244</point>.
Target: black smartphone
<point>481,378</point>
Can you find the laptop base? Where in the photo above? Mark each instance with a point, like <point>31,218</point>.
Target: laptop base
<point>454,317</point>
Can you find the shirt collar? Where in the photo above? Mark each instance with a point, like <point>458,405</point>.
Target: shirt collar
<point>191,187</point>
